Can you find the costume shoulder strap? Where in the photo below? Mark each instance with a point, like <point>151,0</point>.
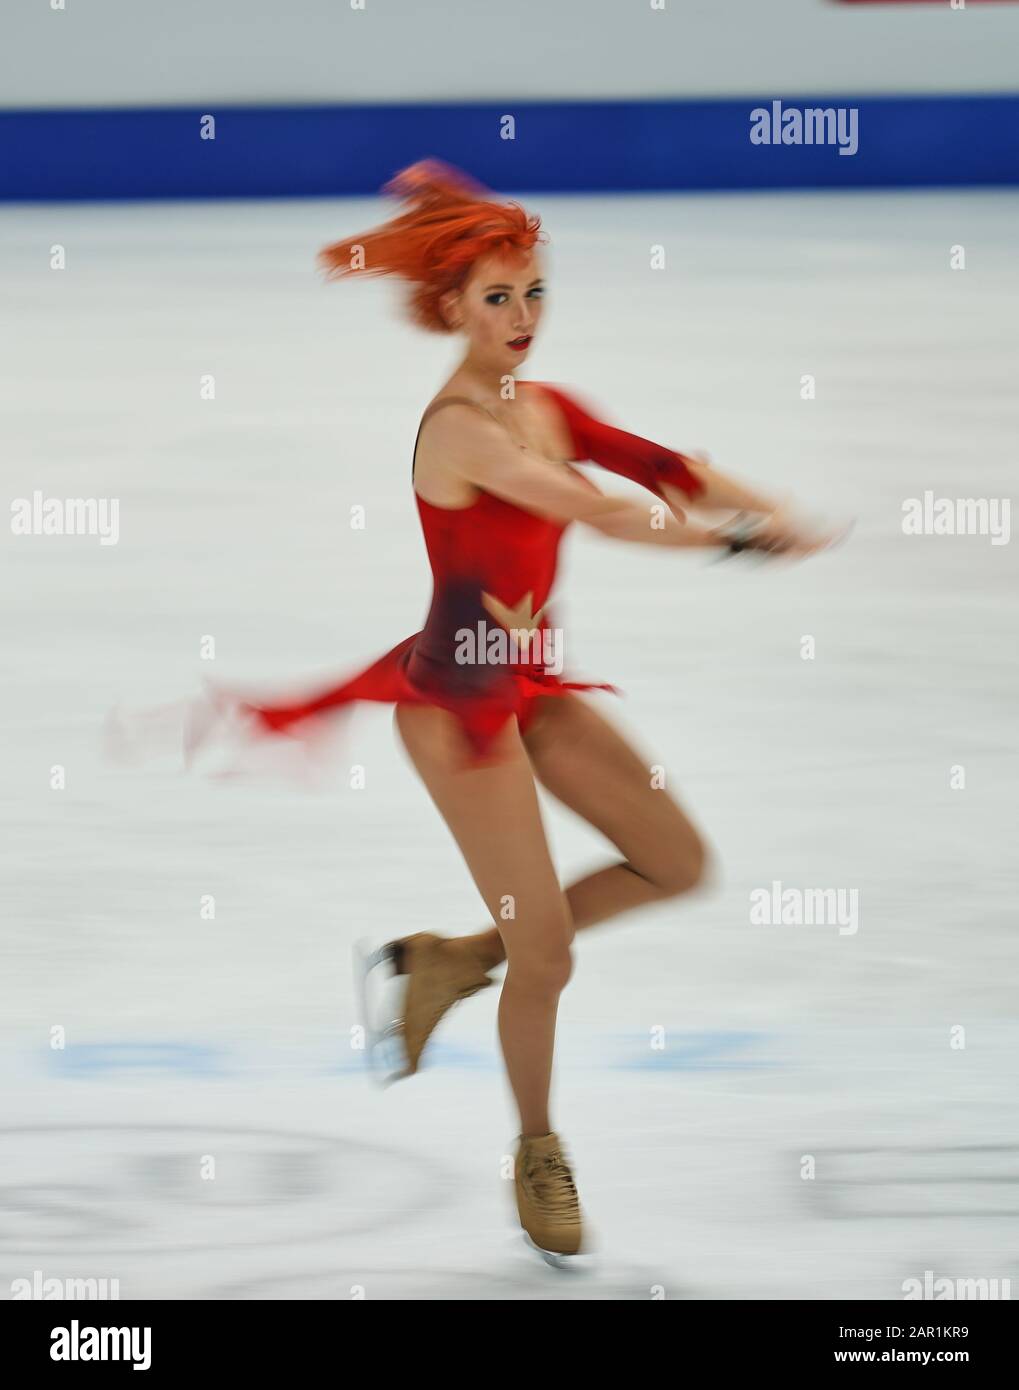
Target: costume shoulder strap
<point>437,405</point>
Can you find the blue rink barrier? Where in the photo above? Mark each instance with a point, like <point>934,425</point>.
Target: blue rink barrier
<point>568,147</point>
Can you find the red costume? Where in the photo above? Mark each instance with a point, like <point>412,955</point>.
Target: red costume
<point>489,551</point>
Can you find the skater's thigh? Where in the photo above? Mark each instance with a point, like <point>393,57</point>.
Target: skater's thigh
<point>590,767</point>
<point>493,813</point>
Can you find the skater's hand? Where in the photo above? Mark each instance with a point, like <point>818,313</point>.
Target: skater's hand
<point>779,533</point>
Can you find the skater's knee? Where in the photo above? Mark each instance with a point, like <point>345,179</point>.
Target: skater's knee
<point>538,944</point>
<point>542,958</point>
<point>545,972</point>
<point>685,868</point>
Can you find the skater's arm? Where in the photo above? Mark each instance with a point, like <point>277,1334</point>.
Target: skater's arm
<point>683,482</point>
<point>719,492</point>
<point>478,450</point>
<point>658,523</point>
<point>651,465</point>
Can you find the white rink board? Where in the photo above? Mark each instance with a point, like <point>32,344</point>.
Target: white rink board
<point>116,53</point>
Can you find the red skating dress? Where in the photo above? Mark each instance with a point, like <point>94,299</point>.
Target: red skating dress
<point>492,563</point>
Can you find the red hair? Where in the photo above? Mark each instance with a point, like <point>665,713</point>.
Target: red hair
<point>450,221</point>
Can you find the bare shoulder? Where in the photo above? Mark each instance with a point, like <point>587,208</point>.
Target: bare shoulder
<point>445,437</point>
<point>452,421</point>
<point>461,442</point>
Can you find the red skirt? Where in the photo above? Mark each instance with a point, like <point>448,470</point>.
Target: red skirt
<point>511,692</point>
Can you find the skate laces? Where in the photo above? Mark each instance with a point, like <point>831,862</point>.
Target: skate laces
<point>553,1185</point>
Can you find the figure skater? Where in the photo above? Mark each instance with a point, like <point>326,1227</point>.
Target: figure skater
<point>495,489</point>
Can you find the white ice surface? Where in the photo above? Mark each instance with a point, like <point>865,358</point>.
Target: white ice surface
<point>781,1042</point>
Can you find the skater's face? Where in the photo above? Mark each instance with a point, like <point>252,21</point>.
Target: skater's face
<point>499,309</point>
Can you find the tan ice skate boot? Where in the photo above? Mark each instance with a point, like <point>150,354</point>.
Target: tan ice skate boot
<point>547,1200</point>
<point>440,971</point>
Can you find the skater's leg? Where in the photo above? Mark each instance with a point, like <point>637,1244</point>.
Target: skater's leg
<point>493,814</point>
<point>590,767</point>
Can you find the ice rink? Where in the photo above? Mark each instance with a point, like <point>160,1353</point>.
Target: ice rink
<point>704,1060</point>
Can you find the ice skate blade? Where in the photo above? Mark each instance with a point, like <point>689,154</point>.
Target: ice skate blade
<point>580,1263</point>
<point>384,1051</point>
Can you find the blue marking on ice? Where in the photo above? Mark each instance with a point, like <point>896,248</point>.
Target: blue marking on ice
<point>93,1059</point>
<point>708,1051</point>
